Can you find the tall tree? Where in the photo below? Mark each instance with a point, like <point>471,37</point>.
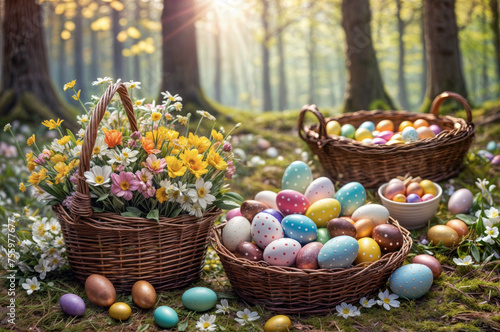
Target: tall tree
<point>61,58</point>
<point>444,66</point>
<point>495,28</point>
<point>267,103</point>
<point>365,85</point>
<point>218,59</point>
<point>26,92</point>
<point>402,95</point>
<point>78,48</point>
<point>118,70</point>
<point>282,83</point>
<point>423,79</point>
<point>311,60</point>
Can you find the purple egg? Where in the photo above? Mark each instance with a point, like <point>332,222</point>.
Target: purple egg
<point>378,141</point>
<point>496,160</point>
<point>72,304</point>
<point>413,198</point>
<point>275,213</point>
<point>435,128</point>
<point>233,213</point>
<point>427,197</point>
<point>386,134</point>
<point>486,154</point>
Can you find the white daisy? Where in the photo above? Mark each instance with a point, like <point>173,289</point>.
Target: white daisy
<point>202,193</point>
<point>176,193</point>
<point>246,316</point>
<point>205,114</point>
<point>491,233</point>
<point>388,300</point>
<point>102,81</point>
<point>168,96</point>
<point>58,242</point>
<point>100,147</point>
<point>132,85</point>
<point>82,119</point>
<point>40,230</point>
<point>223,307</point>
<point>367,303</point>
<point>54,226</point>
<point>26,246</point>
<point>467,260</point>
<point>4,258</point>
<point>81,133</point>
<point>99,176</point>
<point>56,261</point>
<point>56,147</point>
<point>347,310</point>
<point>129,156</point>
<point>195,210</point>
<point>43,267</point>
<point>31,285</point>
<point>76,151</point>
<point>206,323</point>
<point>493,215</point>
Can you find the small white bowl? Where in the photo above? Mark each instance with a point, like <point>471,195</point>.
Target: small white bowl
<point>411,215</point>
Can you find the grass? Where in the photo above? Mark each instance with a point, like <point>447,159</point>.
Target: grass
<point>461,299</point>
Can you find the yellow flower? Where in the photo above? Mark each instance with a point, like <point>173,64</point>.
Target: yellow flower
<point>29,156</point>
<point>161,195</point>
<point>175,167</point>
<point>77,96</point>
<point>168,116</point>
<point>194,162</point>
<point>201,143</point>
<point>51,124</point>
<point>178,145</point>
<point>35,177</point>
<point>69,85</point>
<point>156,116</point>
<point>138,102</point>
<point>7,127</point>
<point>31,166</point>
<point>217,136</point>
<point>64,140</point>
<point>63,170</point>
<point>183,120</point>
<point>57,158</point>
<point>216,160</point>
<point>22,187</point>
<point>31,140</point>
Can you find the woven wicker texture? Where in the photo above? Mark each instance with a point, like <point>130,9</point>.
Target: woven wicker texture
<point>168,254</point>
<point>292,290</point>
<point>345,160</point>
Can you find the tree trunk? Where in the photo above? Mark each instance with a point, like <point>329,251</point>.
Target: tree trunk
<point>267,103</point>
<point>137,58</point>
<point>365,88</point>
<point>94,54</point>
<point>218,61</point>
<point>423,77</point>
<point>495,28</point>
<point>282,88</point>
<point>78,51</point>
<point>61,63</point>
<point>117,46</point>
<point>402,96</point>
<point>484,63</point>
<point>443,54</point>
<point>26,89</point>
<point>311,53</point>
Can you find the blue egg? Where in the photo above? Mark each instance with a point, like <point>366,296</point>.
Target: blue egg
<point>411,281</point>
<point>300,228</point>
<point>368,125</point>
<point>199,299</point>
<point>409,135</point>
<point>166,317</point>
<point>297,177</point>
<point>351,196</point>
<point>275,213</point>
<point>491,146</point>
<point>339,251</point>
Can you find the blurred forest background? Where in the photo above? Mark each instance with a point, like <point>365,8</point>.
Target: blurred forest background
<point>260,55</point>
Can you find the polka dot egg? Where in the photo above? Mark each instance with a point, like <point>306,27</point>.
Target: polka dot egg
<point>266,229</point>
<point>320,188</point>
<point>282,252</point>
<point>411,281</point>
<point>297,176</point>
<point>409,135</point>
<point>351,196</point>
<point>323,211</point>
<point>338,252</point>
<point>369,251</point>
<point>292,202</point>
<point>300,228</point>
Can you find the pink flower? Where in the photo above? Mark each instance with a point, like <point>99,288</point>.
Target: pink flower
<point>230,169</point>
<point>154,164</point>
<point>124,184</point>
<point>227,147</point>
<point>120,168</point>
<point>144,177</point>
<point>42,158</point>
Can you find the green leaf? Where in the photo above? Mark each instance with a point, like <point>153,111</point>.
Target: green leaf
<point>154,214</point>
<point>70,134</point>
<point>135,211</point>
<point>143,328</point>
<point>128,214</point>
<point>176,212</point>
<point>98,209</point>
<point>226,205</point>
<point>235,197</point>
<point>469,220</point>
<point>118,204</point>
<point>222,328</point>
<point>103,197</point>
<point>475,253</point>
<point>182,326</point>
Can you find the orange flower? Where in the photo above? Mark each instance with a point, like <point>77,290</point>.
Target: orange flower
<point>113,138</point>
<point>149,145</point>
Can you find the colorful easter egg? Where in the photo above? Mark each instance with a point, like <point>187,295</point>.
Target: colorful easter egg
<point>323,235</point>
<point>333,128</point>
<point>428,187</point>
<point>275,213</point>
<point>144,294</point>
<point>399,198</point>
<point>297,177</point>
<point>425,132</point>
<point>362,133</point>
<point>420,123</point>
<point>73,305</point>
<point>369,251</point>
<point>250,208</point>
<point>320,188</point>
<point>339,226</point>
<point>100,290</point>
<point>411,281</point>
<point>386,134</point>
<point>405,124</point>
<point>461,201</point>
<point>435,129</point>
<point>282,252</point>
<point>409,135</point>
<point>120,311</point>
<point>300,228</point>
<point>396,137</point>
<point>385,125</point>
<point>491,146</point>
<point>347,130</point>
<point>442,233</point>
<point>351,196</point>
<point>250,251</point>
<point>388,237</point>
<point>165,317</point>
<point>268,198</point>
<point>485,154</point>
<point>414,188</point>
<point>496,160</point>
<point>427,197</point>
<point>199,299</point>
<point>459,226</point>
<point>339,252</point>
<point>323,210</point>
<point>236,230</point>
<point>233,213</point>
<point>292,202</point>
<point>367,141</point>
<point>279,323</point>
<point>307,258</point>
<point>266,229</point>
<point>431,262</point>
<point>394,187</point>
<point>378,141</point>
<point>377,213</point>
<point>368,125</point>
<point>364,228</point>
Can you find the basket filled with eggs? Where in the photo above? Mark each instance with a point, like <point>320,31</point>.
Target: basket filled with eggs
<point>372,147</point>
<point>309,247</point>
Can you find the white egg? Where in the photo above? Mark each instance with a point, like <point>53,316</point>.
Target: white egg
<point>267,197</point>
<point>237,229</point>
<point>377,213</point>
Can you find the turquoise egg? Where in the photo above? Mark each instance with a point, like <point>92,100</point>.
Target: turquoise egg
<point>323,235</point>
<point>491,146</point>
<point>340,251</point>
<point>351,196</point>
<point>199,299</point>
<point>409,135</point>
<point>368,125</point>
<point>347,130</point>
<point>166,317</point>
<point>297,177</point>
<point>300,228</point>
<point>411,281</point>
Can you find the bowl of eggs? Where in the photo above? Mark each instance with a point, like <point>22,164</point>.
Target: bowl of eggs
<point>411,204</point>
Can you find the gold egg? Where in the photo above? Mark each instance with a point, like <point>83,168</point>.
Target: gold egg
<point>428,187</point>
<point>414,188</point>
<point>120,311</point>
<point>369,251</point>
<point>395,142</point>
<point>442,233</point>
<point>397,137</point>
<point>399,198</point>
<point>385,125</point>
<point>420,123</point>
<point>405,124</point>
<point>364,228</point>
<point>333,128</point>
<point>278,323</point>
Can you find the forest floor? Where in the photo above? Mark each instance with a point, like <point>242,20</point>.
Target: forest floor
<point>461,299</point>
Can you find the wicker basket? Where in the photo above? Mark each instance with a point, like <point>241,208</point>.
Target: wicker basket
<point>345,160</point>
<point>169,254</point>
<point>292,290</point>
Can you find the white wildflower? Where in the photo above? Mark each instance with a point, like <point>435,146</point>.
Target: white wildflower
<point>347,310</point>
<point>388,300</point>
<point>31,285</point>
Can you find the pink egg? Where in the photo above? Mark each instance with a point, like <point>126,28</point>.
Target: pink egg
<point>427,197</point>
<point>266,229</point>
<point>282,252</point>
<point>292,202</point>
<point>386,134</point>
<point>461,201</point>
<point>413,198</point>
<point>378,141</point>
<point>394,187</point>
<point>435,128</point>
<point>233,213</point>
<point>496,160</point>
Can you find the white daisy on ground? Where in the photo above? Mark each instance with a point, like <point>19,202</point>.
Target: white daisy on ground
<point>40,230</point>
<point>493,215</point>
<point>201,193</point>
<point>56,261</point>
<point>99,176</point>
<point>466,261</point>
<point>367,303</point>
<point>491,233</point>
<point>31,285</point>
<point>26,246</point>
<point>43,267</point>
<point>246,316</point>
<point>388,300</point>
<point>206,323</point>
<point>223,307</point>
<point>347,310</point>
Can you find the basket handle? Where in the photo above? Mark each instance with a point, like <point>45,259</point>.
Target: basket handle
<point>81,201</point>
<point>438,101</point>
<point>321,119</point>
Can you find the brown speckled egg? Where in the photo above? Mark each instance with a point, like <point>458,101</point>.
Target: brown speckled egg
<point>414,188</point>
<point>364,228</point>
<point>431,262</point>
<point>250,208</point>
<point>394,187</point>
<point>144,294</point>
<point>388,237</point>
<point>340,226</point>
<point>307,258</point>
<point>459,226</point>
<point>249,251</point>
<point>443,233</point>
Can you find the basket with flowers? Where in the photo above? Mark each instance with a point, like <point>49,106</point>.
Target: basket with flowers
<point>135,195</point>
